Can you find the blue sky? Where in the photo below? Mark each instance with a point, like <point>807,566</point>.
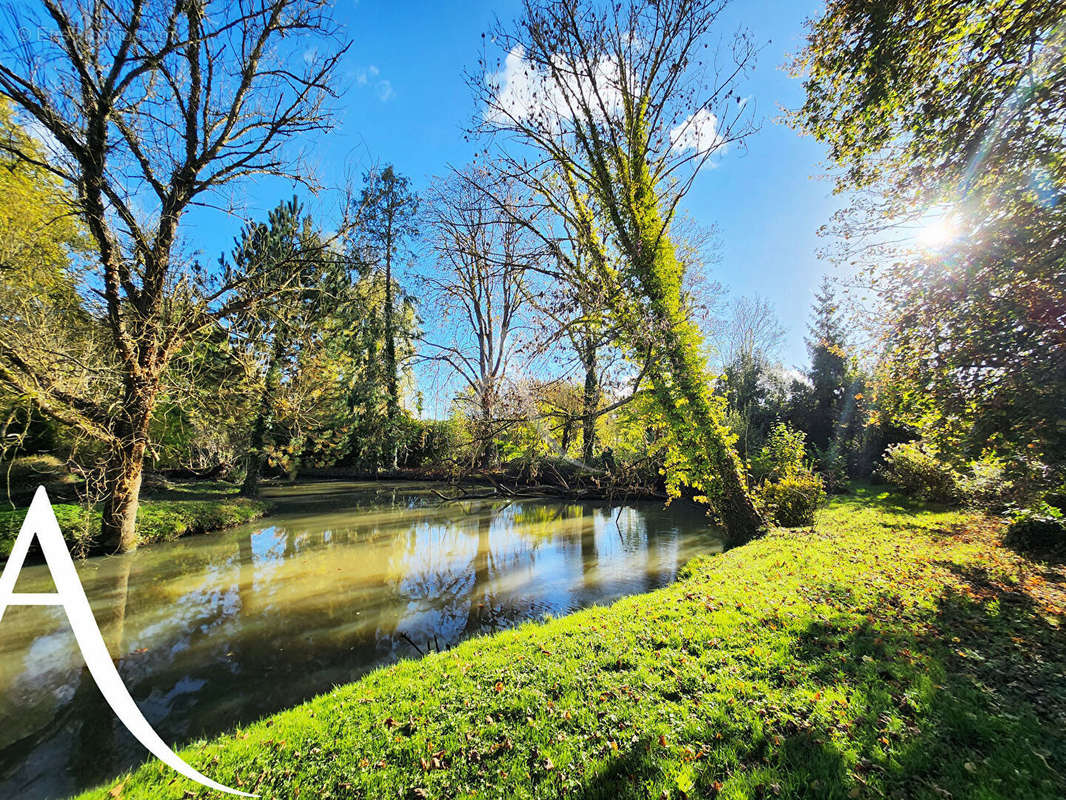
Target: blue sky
<point>406,102</point>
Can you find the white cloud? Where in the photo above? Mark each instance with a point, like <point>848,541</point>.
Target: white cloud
<point>698,132</point>
<point>370,76</point>
<point>526,93</point>
<point>364,75</point>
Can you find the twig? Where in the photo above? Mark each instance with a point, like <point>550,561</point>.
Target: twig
<point>410,641</point>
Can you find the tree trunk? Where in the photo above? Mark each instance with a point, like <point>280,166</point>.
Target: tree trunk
<point>695,422</point>
<point>392,383</point>
<point>118,523</point>
<point>253,462</point>
<point>590,402</point>
<point>567,435</point>
<point>679,380</point>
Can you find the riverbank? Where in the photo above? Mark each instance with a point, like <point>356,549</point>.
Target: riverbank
<point>546,476</point>
<point>890,651</point>
<point>165,513</point>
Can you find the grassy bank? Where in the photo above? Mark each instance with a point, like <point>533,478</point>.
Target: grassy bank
<point>163,515</point>
<point>890,652</point>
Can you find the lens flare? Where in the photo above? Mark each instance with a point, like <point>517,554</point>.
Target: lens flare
<point>937,230</point>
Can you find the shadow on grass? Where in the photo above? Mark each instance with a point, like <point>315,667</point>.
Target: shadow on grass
<point>886,499</point>
<point>627,775</point>
<point>966,702</point>
<point>194,490</point>
<point>969,703</point>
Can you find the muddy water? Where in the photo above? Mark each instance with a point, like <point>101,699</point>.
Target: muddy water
<point>221,629</point>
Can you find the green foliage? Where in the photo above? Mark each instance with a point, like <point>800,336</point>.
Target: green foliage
<point>790,492</point>
<point>918,469</point>
<point>791,500</point>
<point>783,454</point>
<point>700,451</point>
<point>876,656</point>
<point>39,237</point>
<point>42,258</point>
<point>828,370</point>
<point>1040,530</point>
<point>431,443</point>
<point>954,111</point>
<point>385,228</point>
<point>921,470</point>
<point>984,483</point>
<point>757,394</point>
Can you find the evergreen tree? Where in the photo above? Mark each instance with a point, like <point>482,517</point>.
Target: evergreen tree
<point>286,260</point>
<point>828,370</point>
<point>386,226</point>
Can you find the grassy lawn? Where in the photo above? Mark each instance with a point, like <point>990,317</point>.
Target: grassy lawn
<point>890,652</point>
<point>163,515</point>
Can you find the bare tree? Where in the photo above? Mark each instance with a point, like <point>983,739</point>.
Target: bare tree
<point>151,107</point>
<point>751,330</point>
<point>615,107</point>
<point>479,291</point>
<point>576,329</point>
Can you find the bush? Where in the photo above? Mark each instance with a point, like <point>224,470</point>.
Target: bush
<point>783,454</point>
<point>790,492</point>
<point>833,467</point>
<point>917,469</point>
<point>1040,529</point>
<point>984,484</point>
<point>792,500</point>
<point>430,443</point>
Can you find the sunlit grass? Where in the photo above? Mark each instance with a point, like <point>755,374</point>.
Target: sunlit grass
<point>161,517</point>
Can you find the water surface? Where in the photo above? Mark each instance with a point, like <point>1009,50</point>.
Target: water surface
<point>216,630</point>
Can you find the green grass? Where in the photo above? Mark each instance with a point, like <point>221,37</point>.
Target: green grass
<point>163,515</point>
<point>889,652</point>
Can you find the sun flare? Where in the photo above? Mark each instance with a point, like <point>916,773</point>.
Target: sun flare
<point>938,231</point>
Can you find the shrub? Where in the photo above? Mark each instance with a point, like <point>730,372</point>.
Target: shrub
<point>783,454</point>
<point>833,467</point>
<point>1040,529</point>
<point>431,443</point>
<point>918,469</point>
<point>792,500</point>
<point>790,491</point>
<point>984,484</point>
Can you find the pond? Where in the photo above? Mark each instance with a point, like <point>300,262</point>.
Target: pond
<point>216,630</point>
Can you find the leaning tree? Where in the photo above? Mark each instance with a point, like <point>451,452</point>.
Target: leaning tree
<point>608,110</point>
<point>148,108</point>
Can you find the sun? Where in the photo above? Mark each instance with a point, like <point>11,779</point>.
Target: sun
<point>939,229</point>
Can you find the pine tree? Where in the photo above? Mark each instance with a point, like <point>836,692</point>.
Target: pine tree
<point>386,225</point>
<point>828,370</point>
<point>283,258</point>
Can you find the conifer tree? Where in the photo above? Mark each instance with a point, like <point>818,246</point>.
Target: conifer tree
<point>828,370</point>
